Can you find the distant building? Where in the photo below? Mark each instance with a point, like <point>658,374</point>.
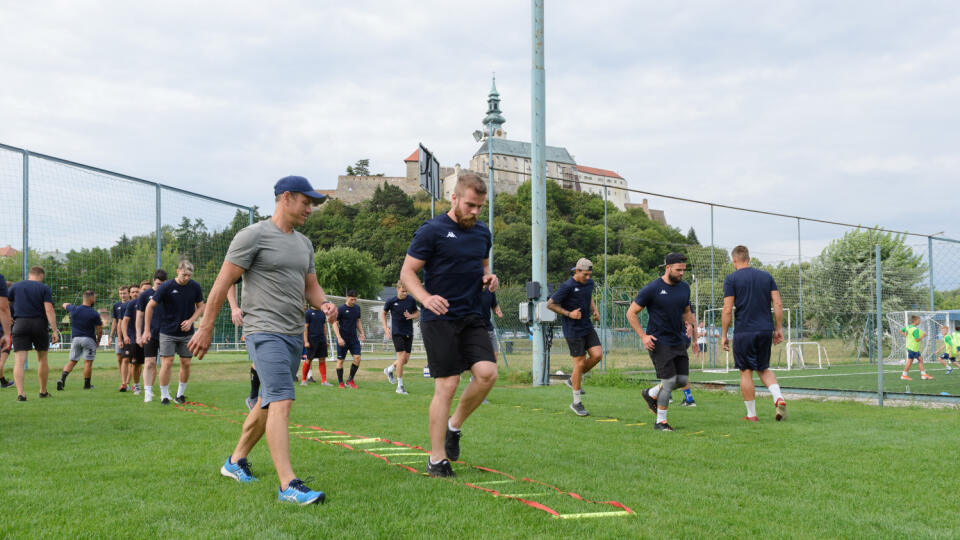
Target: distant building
<point>7,251</point>
<point>608,180</point>
<point>655,215</point>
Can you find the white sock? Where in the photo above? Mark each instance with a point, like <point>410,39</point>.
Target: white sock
<point>576,396</point>
<point>450,427</point>
<point>181,389</point>
<point>661,415</point>
<point>751,408</point>
<point>309,373</point>
<point>904,373</point>
<point>148,389</point>
<point>775,390</point>
<point>923,373</point>
<point>399,381</point>
<point>654,391</point>
<point>165,392</point>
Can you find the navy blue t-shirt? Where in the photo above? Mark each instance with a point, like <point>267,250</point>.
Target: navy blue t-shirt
<point>27,298</point>
<point>400,325</point>
<point>665,305</point>
<point>3,286</point>
<point>488,301</point>
<point>179,304</point>
<point>316,322</point>
<point>347,318</point>
<point>130,310</point>
<point>117,311</point>
<point>751,289</point>
<point>454,264</point>
<point>142,302</point>
<point>84,321</point>
<point>570,295</point>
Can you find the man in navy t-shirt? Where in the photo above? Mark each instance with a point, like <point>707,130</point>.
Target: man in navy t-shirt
<point>752,291</point>
<point>667,301</point>
<point>6,329</point>
<point>182,301</point>
<point>151,347</point>
<point>86,328</point>
<point>403,311</point>
<point>349,332</point>
<point>127,336</point>
<point>315,341</point>
<point>452,251</point>
<point>573,301</point>
<point>33,317</point>
<point>116,317</point>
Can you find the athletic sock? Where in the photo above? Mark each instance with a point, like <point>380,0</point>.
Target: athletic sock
<point>86,382</point>
<point>148,389</point>
<point>904,373</point>
<point>399,382</point>
<point>165,392</point>
<point>751,407</point>
<point>687,395</point>
<point>181,389</point>
<point>63,376</point>
<point>654,392</point>
<point>254,384</point>
<point>775,390</point>
<point>661,415</point>
<point>923,373</point>
<point>340,375</point>
<point>322,367</point>
<point>450,427</point>
<point>576,396</point>
<point>353,370</point>
<point>306,368</point>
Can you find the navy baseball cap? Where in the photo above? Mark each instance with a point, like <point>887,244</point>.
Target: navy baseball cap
<point>296,184</point>
<point>675,258</point>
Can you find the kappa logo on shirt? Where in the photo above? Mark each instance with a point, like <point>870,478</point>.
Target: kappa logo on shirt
<point>174,291</point>
<point>576,289</point>
<point>663,291</point>
<point>451,235</point>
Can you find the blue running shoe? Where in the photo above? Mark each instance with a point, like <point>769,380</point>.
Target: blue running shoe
<point>239,471</point>
<point>298,493</point>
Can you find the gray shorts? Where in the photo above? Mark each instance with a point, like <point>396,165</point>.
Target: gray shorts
<point>493,340</point>
<point>170,345</point>
<point>118,347</point>
<point>276,358</point>
<point>83,348</point>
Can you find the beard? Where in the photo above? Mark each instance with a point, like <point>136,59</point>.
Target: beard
<point>465,221</point>
<point>673,279</point>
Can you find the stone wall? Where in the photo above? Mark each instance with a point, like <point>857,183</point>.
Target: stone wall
<point>354,189</point>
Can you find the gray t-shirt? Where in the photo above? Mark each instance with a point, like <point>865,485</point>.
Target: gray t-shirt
<point>276,264</point>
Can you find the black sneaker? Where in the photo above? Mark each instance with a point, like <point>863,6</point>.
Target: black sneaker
<point>442,469</point>
<point>180,399</point>
<point>578,409</point>
<point>663,426</point>
<point>88,387</point>
<point>44,395</point>
<point>452,444</point>
<point>21,397</point>
<point>310,380</point>
<point>651,401</point>
<point>122,388</point>
<point>5,383</point>
<point>59,385</point>
<point>166,401</point>
<point>690,403</point>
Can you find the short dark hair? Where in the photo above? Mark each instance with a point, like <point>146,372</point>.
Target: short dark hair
<point>740,253</point>
<point>160,274</point>
<point>145,282</point>
<point>351,292</point>
<point>89,293</point>
<point>124,287</point>
<point>135,286</point>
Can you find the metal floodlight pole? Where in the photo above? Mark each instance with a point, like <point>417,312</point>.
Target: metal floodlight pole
<point>800,287</point>
<point>712,277</point>
<point>490,189</point>
<point>603,319</point>
<point>879,326</point>
<point>538,203</point>
<point>25,255</point>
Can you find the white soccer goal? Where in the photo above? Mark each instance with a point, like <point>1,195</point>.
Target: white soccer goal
<point>716,360</point>
<point>930,323</point>
<point>800,355</point>
<point>376,343</point>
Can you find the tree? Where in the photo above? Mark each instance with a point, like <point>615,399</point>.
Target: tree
<point>692,236</point>
<point>342,268</point>
<point>360,168</point>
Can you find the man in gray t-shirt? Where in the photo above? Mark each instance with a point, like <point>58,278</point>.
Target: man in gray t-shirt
<point>276,263</point>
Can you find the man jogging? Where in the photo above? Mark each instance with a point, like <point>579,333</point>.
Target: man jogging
<point>86,328</point>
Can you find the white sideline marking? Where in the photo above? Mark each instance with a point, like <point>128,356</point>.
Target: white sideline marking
<point>494,482</point>
<point>779,377</point>
<point>592,515</point>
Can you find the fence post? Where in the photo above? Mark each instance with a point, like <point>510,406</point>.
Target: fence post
<point>25,254</point>
<point>879,281</point>
<point>603,323</point>
<point>159,247</point>
<point>930,263</point>
<point>800,288</point>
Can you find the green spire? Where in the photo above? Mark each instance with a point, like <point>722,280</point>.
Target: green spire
<point>493,108</point>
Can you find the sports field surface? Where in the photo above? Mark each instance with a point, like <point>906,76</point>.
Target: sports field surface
<point>103,464</point>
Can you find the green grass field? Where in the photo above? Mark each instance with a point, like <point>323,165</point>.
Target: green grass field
<point>104,464</point>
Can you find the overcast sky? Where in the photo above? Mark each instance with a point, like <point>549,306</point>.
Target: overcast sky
<point>836,110</point>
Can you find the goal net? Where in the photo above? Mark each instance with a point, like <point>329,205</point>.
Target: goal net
<point>377,343</point>
<point>929,322</point>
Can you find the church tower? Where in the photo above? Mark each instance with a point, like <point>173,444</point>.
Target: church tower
<point>494,117</point>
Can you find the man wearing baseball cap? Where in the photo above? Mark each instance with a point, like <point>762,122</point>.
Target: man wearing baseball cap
<point>572,300</point>
<point>667,301</point>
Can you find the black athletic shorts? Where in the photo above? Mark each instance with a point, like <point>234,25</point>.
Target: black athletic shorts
<point>30,333</point>
<point>455,346</point>
<point>402,343</point>
<point>134,352</point>
<point>317,349</point>
<point>151,347</point>
<point>580,345</point>
<point>670,361</point>
<point>751,350</point>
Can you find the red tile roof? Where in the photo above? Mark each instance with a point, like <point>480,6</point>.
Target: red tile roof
<point>598,172</point>
<point>415,156</point>
<point>8,251</point>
